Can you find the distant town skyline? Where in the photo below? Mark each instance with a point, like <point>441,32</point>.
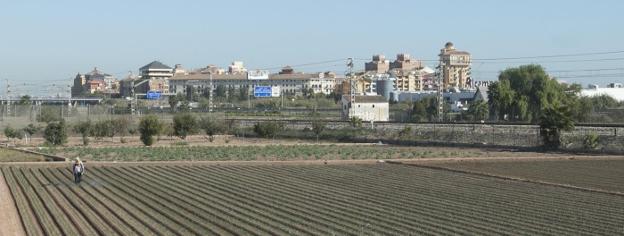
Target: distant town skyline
<point>49,42</point>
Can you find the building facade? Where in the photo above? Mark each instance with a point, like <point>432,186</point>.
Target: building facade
<point>93,82</point>
<point>455,67</point>
<point>367,108</point>
<point>406,63</point>
<point>290,82</point>
<point>379,64</point>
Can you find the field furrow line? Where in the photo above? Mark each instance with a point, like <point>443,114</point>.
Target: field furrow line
<point>95,220</point>
<point>143,211</point>
<point>328,206</point>
<point>24,207</point>
<point>227,219</point>
<point>236,198</point>
<point>467,206</point>
<point>77,218</point>
<point>167,205</point>
<point>292,202</point>
<point>118,215</point>
<point>328,178</point>
<point>56,210</point>
<point>50,227</point>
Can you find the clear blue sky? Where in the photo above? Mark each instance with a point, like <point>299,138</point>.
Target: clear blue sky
<point>51,41</point>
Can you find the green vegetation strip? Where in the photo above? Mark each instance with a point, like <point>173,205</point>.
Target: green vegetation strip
<point>253,153</point>
<point>8,155</point>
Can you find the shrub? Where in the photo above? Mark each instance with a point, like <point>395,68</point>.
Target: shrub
<point>55,133</point>
<point>267,129</point>
<point>148,127</point>
<point>9,132</point>
<point>590,141</point>
<point>84,129</point>
<point>211,126</point>
<point>184,124</point>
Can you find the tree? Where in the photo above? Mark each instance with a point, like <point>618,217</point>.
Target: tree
<point>318,126</point>
<point>173,102</point>
<point>243,93</point>
<point>220,91</point>
<point>103,128</point>
<point>10,133</point>
<point>31,129</point>
<point>211,126</point>
<point>552,121</point>
<point>478,110</point>
<point>120,126</point>
<point>85,129</point>
<point>49,114</point>
<point>184,124</point>
<point>24,100</point>
<point>55,133</point>
<point>148,127</point>
<point>524,92</point>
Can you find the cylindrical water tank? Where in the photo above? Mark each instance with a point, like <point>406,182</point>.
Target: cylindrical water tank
<point>385,87</point>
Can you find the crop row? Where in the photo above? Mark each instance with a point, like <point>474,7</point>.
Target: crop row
<point>246,153</point>
<point>300,200</point>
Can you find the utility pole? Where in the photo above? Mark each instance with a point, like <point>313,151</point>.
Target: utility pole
<point>8,98</point>
<point>440,94</point>
<point>352,80</point>
<point>210,94</point>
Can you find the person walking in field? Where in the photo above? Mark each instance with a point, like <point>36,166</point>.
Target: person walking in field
<point>78,169</point>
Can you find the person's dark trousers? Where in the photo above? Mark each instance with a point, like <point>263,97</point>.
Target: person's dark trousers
<point>77,177</point>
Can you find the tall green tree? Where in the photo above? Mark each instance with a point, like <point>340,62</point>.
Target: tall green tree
<point>524,92</point>
<point>55,133</point>
<point>553,121</point>
<point>149,126</point>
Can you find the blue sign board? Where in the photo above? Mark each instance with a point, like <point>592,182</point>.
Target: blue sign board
<point>153,95</point>
<point>262,91</point>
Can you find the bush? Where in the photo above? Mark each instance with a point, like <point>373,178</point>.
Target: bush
<point>184,124</point>
<point>590,141</point>
<point>49,114</point>
<point>84,129</point>
<point>55,133</point>
<point>148,127</point>
<point>211,126</point>
<point>267,129</point>
<point>10,132</point>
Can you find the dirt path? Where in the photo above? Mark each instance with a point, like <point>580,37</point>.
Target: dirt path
<point>10,223</point>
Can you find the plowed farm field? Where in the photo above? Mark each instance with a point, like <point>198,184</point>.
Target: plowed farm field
<point>291,199</point>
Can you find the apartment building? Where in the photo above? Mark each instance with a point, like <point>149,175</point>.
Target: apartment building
<point>455,67</point>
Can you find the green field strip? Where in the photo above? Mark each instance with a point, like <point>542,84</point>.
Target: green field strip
<point>327,206</point>
<point>261,204</point>
<point>46,220</point>
<point>97,221</point>
<point>24,207</point>
<point>60,217</point>
<point>168,205</point>
<point>76,216</point>
<point>215,196</point>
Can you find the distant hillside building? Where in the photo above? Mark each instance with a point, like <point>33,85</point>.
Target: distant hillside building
<point>367,108</point>
<point>94,82</point>
<point>455,67</point>
<point>153,77</point>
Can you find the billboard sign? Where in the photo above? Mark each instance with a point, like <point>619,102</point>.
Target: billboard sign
<point>276,91</point>
<point>258,75</point>
<point>262,91</point>
<point>153,95</point>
